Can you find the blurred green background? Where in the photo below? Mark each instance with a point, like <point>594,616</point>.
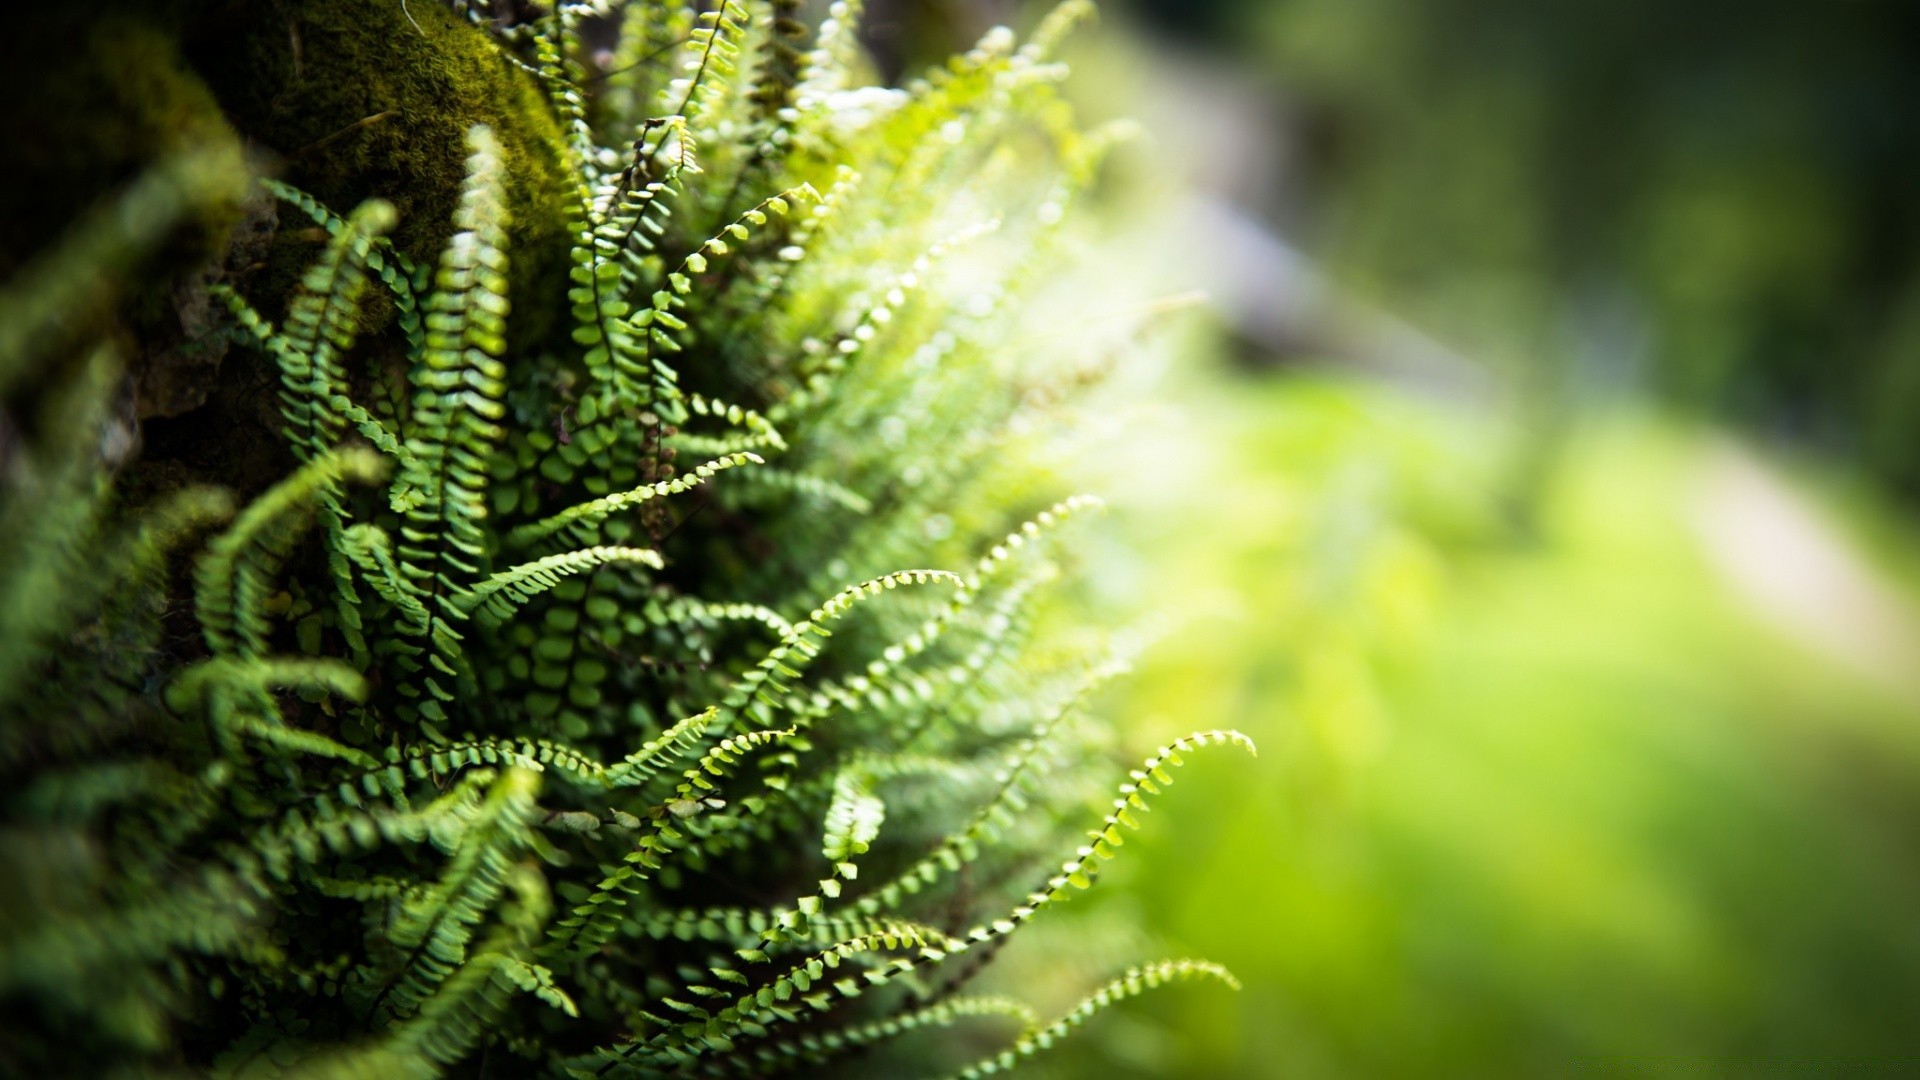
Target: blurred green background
<point>1709,200</point>
<point>1635,787</point>
<point>1549,521</point>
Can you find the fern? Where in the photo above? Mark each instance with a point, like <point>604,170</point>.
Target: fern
<point>241,566</point>
<point>581,522</point>
<point>500,593</point>
<point>1134,983</point>
<point>456,406</point>
<point>447,747</point>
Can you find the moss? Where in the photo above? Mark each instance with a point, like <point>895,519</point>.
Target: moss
<point>99,91</point>
<point>360,98</point>
<point>92,104</point>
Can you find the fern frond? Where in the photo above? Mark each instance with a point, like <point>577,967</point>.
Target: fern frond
<point>819,1048</point>
<point>759,432</point>
<point>594,921</point>
<point>458,384</point>
<point>233,579</point>
<point>560,72</point>
<point>658,324</point>
<point>61,954</point>
<point>685,610</point>
<point>403,277</point>
<point>836,56</point>
<point>677,741</point>
<point>54,509</point>
<point>722,243</point>
<point>820,374</point>
<point>1146,780</point>
<point>460,1013</point>
<point>434,929</point>
<point>865,688</point>
<point>305,836</point>
<point>320,328</point>
<point>806,983</point>
<point>342,825</point>
<point>758,689</point>
<point>116,599</point>
<point>759,1011</point>
<point>539,755</point>
<point>953,853</point>
<point>237,695</point>
<point>641,61</point>
<point>430,761</point>
<point>496,597</point>
<point>1135,982</point>
<point>368,547</point>
<point>778,71</point>
<point>579,522</point>
<point>853,820</point>
<point>756,484</point>
<point>334,405</point>
<point>713,47</point>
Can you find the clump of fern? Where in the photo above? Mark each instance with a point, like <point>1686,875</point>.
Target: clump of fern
<point>697,699</point>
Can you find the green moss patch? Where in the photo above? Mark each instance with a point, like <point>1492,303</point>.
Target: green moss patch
<point>364,98</point>
<point>91,104</point>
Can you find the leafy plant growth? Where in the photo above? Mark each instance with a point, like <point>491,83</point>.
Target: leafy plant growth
<point>699,698</point>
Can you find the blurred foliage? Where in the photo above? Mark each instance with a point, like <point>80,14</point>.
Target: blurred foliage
<point>1712,200</point>
<point>1579,793</point>
<point>1598,726</point>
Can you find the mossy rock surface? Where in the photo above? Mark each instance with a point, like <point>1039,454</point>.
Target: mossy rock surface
<point>100,91</point>
<point>91,104</point>
<point>361,98</point>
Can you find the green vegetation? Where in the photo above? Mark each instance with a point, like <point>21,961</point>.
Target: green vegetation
<point>701,691</point>
<point>366,99</point>
<point>1607,791</point>
<point>1710,205</point>
<point>596,540</point>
